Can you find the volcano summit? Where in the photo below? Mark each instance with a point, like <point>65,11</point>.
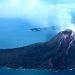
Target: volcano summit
<point>55,54</point>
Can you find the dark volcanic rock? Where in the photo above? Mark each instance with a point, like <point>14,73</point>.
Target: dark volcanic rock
<point>56,54</point>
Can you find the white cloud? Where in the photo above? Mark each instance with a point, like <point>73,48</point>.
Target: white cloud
<point>39,14</point>
<point>32,10</point>
<point>66,1</point>
<point>64,17</point>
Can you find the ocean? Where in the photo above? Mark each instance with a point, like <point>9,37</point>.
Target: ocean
<point>6,71</point>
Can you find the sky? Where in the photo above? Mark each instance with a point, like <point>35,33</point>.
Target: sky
<point>45,11</point>
<point>39,13</point>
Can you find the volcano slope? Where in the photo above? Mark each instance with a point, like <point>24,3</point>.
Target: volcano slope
<point>55,54</point>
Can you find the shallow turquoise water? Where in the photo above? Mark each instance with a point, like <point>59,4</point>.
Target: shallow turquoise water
<point>5,71</point>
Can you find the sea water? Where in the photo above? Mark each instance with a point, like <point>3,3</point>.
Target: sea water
<point>8,71</point>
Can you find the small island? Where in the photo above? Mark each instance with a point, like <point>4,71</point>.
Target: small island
<point>35,29</point>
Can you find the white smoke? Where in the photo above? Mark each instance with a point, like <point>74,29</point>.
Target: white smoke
<point>64,17</point>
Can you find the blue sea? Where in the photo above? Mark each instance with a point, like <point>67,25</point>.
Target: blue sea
<point>7,71</point>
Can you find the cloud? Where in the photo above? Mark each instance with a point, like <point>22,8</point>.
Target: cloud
<point>66,1</point>
<point>64,16</point>
<point>39,13</point>
<point>33,10</point>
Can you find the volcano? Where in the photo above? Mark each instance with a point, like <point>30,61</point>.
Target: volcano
<point>55,54</point>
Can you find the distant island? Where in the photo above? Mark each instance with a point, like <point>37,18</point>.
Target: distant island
<point>35,29</point>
